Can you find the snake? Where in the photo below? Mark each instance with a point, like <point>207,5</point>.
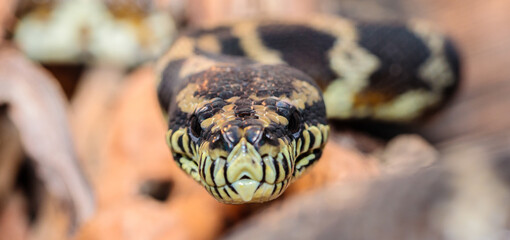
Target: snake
<point>248,103</point>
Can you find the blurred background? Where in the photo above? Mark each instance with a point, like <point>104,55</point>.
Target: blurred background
<point>83,156</point>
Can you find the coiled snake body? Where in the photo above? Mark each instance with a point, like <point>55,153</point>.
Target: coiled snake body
<point>248,103</point>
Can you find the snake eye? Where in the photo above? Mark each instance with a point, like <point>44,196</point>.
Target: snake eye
<point>294,125</point>
<point>195,128</point>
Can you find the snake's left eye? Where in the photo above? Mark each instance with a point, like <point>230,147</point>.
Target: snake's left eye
<point>195,128</point>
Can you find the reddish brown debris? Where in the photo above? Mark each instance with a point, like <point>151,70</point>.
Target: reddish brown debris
<point>37,107</point>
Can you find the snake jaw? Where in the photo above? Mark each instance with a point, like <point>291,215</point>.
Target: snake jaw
<point>243,175</point>
<point>249,171</point>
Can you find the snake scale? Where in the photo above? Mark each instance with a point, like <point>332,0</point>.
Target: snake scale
<point>248,103</point>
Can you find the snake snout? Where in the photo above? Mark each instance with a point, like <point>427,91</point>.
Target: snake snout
<point>244,162</point>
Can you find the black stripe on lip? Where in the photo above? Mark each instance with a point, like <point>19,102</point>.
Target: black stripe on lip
<point>226,192</point>
<point>232,188</point>
<point>211,171</point>
<point>225,174</point>
<point>277,170</point>
<point>189,144</point>
<point>258,186</point>
<point>317,154</point>
<point>285,166</point>
<point>180,143</point>
<point>274,189</point>
<point>218,192</point>
<point>312,140</point>
<point>263,170</point>
<point>202,167</point>
<point>177,158</point>
<point>323,139</point>
<point>302,148</point>
<point>281,189</point>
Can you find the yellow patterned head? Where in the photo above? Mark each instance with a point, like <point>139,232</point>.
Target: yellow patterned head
<point>245,139</point>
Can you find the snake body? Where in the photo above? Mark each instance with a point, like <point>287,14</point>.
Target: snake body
<point>248,103</point>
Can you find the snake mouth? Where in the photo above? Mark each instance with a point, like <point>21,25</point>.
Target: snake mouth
<point>246,174</point>
<point>247,191</point>
<point>248,180</point>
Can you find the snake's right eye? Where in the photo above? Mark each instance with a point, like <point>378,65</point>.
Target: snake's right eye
<point>195,128</point>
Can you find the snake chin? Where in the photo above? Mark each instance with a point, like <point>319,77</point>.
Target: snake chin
<point>247,174</point>
<point>247,191</point>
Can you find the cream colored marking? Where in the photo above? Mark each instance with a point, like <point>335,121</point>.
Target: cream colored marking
<point>406,106</point>
<point>183,47</point>
<point>271,116</point>
<point>318,136</point>
<point>219,172</point>
<point>265,116</point>
<point>304,161</point>
<point>188,166</point>
<point>252,45</point>
<point>168,138</point>
<point>186,101</point>
<point>185,140</point>
<point>223,192</point>
<point>306,136</point>
<point>348,60</point>
<point>196,64</point>
<point>175,141</point>
<point>222,196</point>
<point>342,28</point>
<point>194,149</point>
<point>214,193</point>
<point>298,146</point>
<point>269,150</point>
<point>264,192</point>
<point>436,69</point>
<point>234,196</point>
<point>339,98</point>
<point>209,43</point>
<point>279,160</point>
<point>270,170</point>
<point>293,146</point>
<point>355,65</point>
<point>304,94</point>
<point>282,120</point>
<point>339,104</point>
<point>285,150</point>
<point>207,171</point>
<point>325,132</point>
<point>261,193</point>
<point>201,164</point>
<point>215,153</point>
<point>278,187</point>
<point>207,122</point>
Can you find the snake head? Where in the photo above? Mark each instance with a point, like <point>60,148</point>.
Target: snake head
<point>249,146</point>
